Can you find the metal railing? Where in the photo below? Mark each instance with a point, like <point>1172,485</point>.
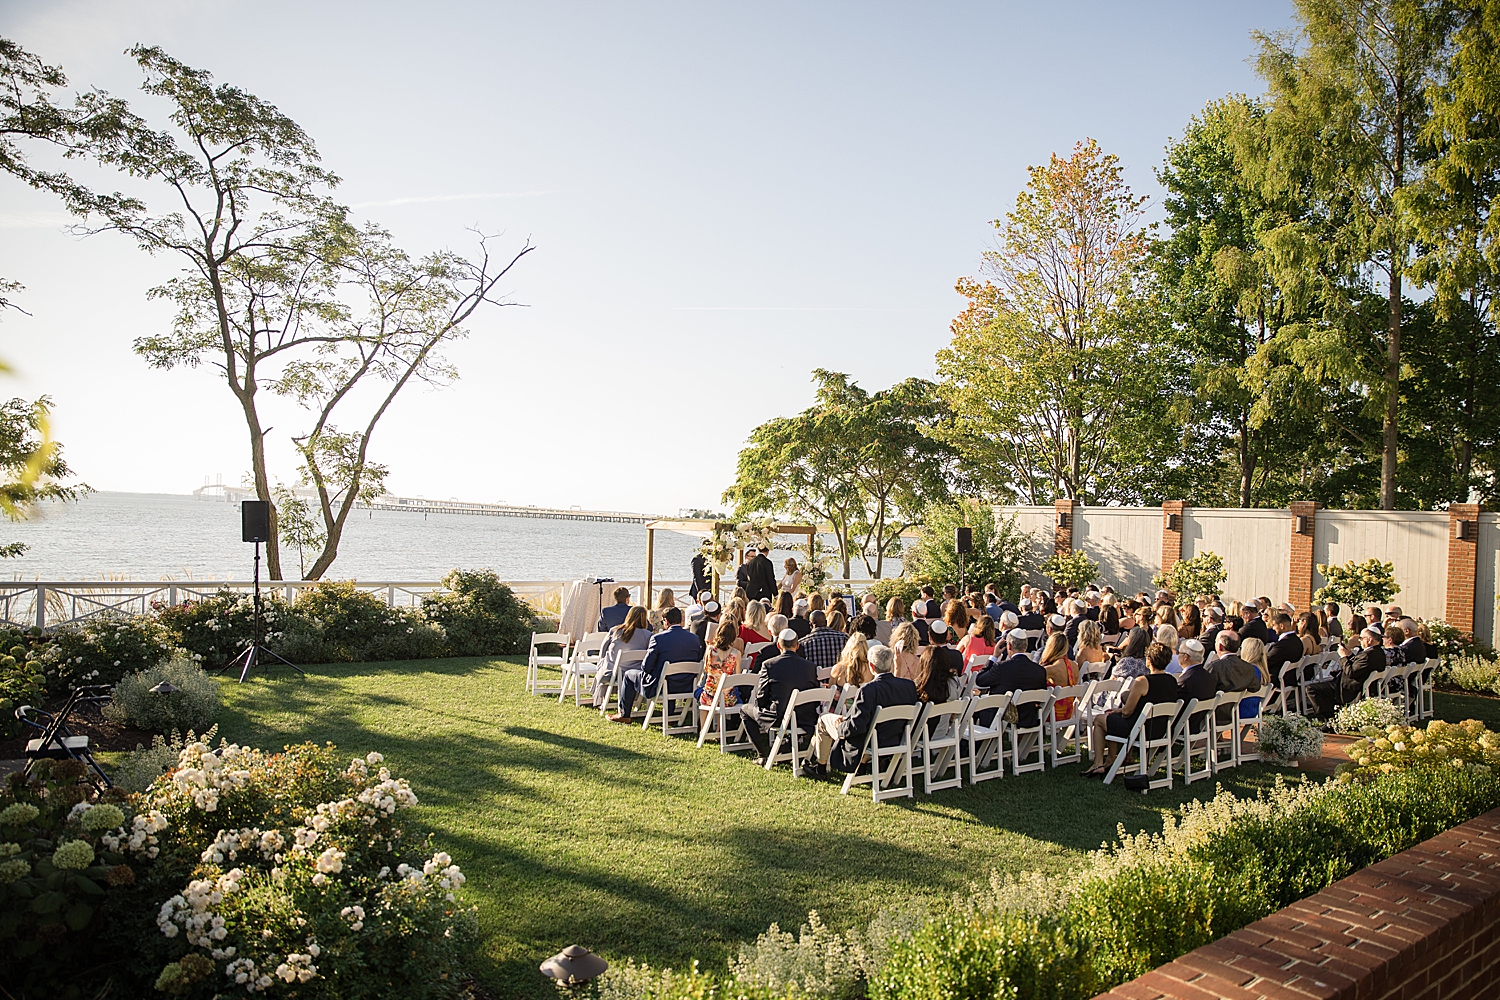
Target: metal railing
<point>48,604</point>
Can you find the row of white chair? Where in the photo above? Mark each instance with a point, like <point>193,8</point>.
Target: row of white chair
<point>1409,685</point>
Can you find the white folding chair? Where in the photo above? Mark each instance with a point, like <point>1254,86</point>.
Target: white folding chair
<point>1194,732</point>
<point>984,744</point>
<point>1151,753</point>
<point>1375,684</point>
<point>623,662</point>
<point>751,648</point>
<point>1065,733</point>
<point>535,662</point>
<point>685,720</point>
<point>976,661</point>
<point>1101,696</point>
<point>583,664</point>
<point>718,716</point>
<point>1025,739</point>
<point>890,764</point>
<point>844,703</point>
<point>1035,640</point>
<point>1292,697</point>
<point>938,739</point>
<point>1248,721</point>
<point>1426,708</point>
<point>1222,747</point>
<point>791,732</point>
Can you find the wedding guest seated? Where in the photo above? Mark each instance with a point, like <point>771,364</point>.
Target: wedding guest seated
<point>1348,686</point>
<point>853,665</point>
<point>1213,624</point>
<point>1331,621</point>
<point>1132,661</point>
<point>1231,672</point>
<point>981,639</point>
<point>615,614</point>
<point>1195,680</point>
<point>779,677</point>
<point>1017,672</point>
<point>1091,658</point>
<point>935,679</point>
<point>633,634</point>
<point>1028,619</point>
<point>707,619</point>
<point>799,622</point>
<point>755,628</point>
<point>674,644</point>
<point>1061,670</point>
<point>839,742</point>
<point>1395,653</point>
<point>865,625</point>
<point>822,645</point>
<point>1156,687</point>
<point>907,646</point>
<point>723,660</point>
<point>837,620</point>
<point>1285,648</point>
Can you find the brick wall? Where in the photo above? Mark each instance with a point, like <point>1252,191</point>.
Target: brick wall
<point>1062,539</point>
<point>1423,924</point>
<point>1462,555</point>
<point>1171,537</point>
<point>1300,580</point>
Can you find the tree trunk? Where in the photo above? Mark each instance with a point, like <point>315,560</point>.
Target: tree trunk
<point>1390,439</point>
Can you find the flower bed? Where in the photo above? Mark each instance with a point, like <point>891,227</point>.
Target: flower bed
<point>288,874</point>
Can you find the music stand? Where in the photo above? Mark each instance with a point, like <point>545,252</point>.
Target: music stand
<point>255,526</point>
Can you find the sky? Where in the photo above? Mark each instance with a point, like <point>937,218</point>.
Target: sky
<point>723,197</point>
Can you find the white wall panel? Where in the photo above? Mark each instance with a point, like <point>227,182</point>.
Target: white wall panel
<point>1486,573</point>
<point>1124,541</point>
<point>1256,546</point>
<point>1040,523</point>
<point>1415,541</point>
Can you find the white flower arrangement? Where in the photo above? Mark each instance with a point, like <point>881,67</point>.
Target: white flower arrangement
<point>1370,713</point>
<point>1285,738</point>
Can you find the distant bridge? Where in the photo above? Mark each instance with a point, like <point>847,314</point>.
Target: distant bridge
<point>234,494</point>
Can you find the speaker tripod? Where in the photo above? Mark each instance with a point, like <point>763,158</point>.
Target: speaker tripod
<point>250,658</point>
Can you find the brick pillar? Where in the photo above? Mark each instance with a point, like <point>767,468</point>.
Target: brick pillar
<point>1171,538</point>
<point>1462,556</point>
<point>1062,538</point>
<point>1300,575</point>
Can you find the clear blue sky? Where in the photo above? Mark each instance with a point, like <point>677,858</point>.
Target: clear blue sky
<point>724,197</point>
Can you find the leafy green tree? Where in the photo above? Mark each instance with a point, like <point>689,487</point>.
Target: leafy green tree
<point>294,518</point>
<point>1202,574</point>
<point>1053,388</point>
<point>1001,555</point>
<point>31,465</point>
<point>1358,584</point>
<point>1073,569</point>
<point>1345,131</point>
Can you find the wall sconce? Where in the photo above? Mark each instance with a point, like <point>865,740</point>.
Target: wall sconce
<point>1062,519</point>
<point>1174,522</point>
<point>1463,530</point>
<point>1303,524</point>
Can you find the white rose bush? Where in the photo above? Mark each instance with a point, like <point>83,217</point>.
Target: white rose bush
<point>249,874</point>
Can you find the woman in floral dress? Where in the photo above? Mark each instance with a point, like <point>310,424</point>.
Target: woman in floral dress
<point>723,660</point>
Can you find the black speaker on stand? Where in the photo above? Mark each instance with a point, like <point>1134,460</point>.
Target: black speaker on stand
<point>255,526</point>
<point>963,544</point>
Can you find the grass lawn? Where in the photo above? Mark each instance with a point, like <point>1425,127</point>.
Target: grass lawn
<point>572,829</point>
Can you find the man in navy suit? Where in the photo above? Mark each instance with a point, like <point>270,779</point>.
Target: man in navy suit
<point>1287,647</point>
<point>674,644</point>
<point>841,741</point>
<point>615,614</point>
<point>780,676</point>
<point>1019,672</point>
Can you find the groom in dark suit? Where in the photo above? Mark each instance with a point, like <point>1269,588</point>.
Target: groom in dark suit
<point>760,577</point>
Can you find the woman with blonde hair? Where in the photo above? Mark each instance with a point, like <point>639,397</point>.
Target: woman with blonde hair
<point>837,620</point>
<point>1253,651</point>
<point>895,610</point>
<point>1061,671</point>
<point>792,580</point>
<point>906,643</point>
<point>1091,655</point>
<point>633,634</point>
<point>666,599</point>
<point>754,628</point>
<point>853,666</point>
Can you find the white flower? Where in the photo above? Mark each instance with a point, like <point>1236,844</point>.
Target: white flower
<point>331,861</point>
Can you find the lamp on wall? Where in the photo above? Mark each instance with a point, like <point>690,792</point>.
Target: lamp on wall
<point>1174,522</point>
<point>1062,519</point>
<point>1463,531</point>
<point>1302,524</point>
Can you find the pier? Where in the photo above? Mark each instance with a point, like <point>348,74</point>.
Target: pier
<point>234,494</point>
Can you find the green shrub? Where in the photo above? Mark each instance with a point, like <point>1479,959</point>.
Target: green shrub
<point>960,956</point>
<point>480,615</point>
<point>192,706</point>
<point>1470,675</point>
<point>1001,549</point>
<point>217,628</point>
<point>883,590</point>
<point>61,877</point>
<point>137,769</point>
<point>101,651</point>
<point>1357,584</point>
<point>335,622</point>
<point>1441,746</point>
<point>816,961</point>
<point>21,683</point>
<point>1072,570</point>
<point>1202,574</point>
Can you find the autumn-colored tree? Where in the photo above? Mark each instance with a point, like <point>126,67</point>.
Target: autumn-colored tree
<point>1049,379</point>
